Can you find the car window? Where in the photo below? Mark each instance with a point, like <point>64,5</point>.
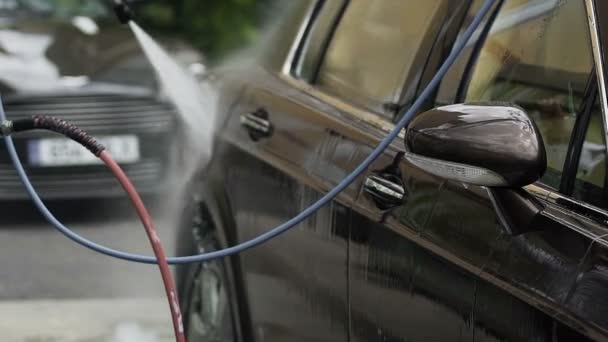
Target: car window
<point>590,183</point>
<point>374,48</point>
<point>538,55</point>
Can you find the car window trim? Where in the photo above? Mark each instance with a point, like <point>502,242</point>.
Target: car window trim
<point>599,41</point>
<point>411,85</point>
<point>467,74</point>
<point>327,42</point>
<point>577,137</point>
<point>299,54</point>
<point>293,50</point>
<point>449,31</point>
<point>571,205</point>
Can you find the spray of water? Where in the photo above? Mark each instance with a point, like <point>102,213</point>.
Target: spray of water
<point>195,103</point>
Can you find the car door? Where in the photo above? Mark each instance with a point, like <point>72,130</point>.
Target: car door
<point>444,266</point>
<point>373,65</point>
<point>291,138</point>
<point>277,159</point>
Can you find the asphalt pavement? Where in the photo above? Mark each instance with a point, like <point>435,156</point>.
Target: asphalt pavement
<point>54,290</point>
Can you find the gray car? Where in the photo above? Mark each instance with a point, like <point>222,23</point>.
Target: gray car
<point>75,61</point>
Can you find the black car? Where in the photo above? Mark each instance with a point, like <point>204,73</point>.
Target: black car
<point>74,60</point>
<point>458,235</point>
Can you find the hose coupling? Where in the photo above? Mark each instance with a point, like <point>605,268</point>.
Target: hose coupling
<point>123,12</point>
<point>6,128</point>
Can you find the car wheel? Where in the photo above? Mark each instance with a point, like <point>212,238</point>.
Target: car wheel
<point>204,294</point>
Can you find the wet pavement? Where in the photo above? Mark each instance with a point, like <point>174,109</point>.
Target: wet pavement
<point>54,290</point>
<point>90,320</point>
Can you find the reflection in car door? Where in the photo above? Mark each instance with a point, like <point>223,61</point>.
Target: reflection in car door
<point>295,284</point>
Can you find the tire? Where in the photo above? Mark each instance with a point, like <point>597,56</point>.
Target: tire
<point>204,290</point>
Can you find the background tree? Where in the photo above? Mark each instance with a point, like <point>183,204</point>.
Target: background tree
<point>215,27</point>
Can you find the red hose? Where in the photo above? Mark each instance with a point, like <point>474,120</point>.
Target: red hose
<point>146,220</point>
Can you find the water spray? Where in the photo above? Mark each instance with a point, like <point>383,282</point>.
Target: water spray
<point>40,122</point>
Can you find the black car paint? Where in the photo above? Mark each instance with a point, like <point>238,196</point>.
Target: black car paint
<point>440,267</point>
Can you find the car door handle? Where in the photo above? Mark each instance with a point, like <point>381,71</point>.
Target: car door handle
<point>257,124</point>
<point>386,191</point>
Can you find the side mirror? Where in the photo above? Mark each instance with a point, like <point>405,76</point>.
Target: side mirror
<point>493,145</point>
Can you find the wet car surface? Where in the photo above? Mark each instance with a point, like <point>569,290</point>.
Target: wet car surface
<point>435,262</point>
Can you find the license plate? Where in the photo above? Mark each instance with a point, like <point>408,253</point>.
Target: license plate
<point>65,152</point>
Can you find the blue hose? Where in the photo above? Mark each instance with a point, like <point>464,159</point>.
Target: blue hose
<point>402,123</point>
